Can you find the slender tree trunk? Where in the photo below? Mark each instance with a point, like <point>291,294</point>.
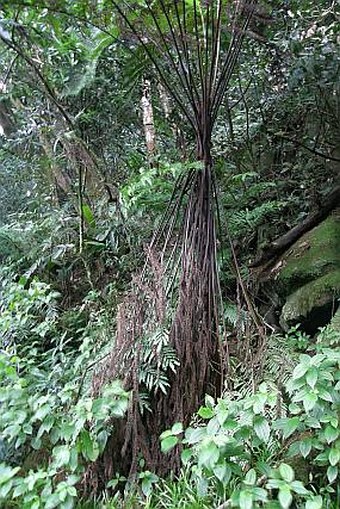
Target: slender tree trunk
<point>148,119</point>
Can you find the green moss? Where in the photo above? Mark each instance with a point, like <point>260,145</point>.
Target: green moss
<point>312,295</point>
<point>335,322</point>
<point>314,255</point>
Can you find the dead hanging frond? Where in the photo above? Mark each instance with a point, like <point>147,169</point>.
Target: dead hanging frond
<point>193,47</point>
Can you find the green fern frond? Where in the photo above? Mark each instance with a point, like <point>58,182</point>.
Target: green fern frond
<point>158,357</point>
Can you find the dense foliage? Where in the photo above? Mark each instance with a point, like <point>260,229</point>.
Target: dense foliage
<point>150,154</point>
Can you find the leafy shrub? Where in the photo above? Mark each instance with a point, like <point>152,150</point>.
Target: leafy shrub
<point>50,429</point>
<point>249,456</point>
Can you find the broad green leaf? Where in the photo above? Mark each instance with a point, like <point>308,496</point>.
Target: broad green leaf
<point>167,433</point>
<point>286,472</point>
<point>312,422</point>
<point>285,497</point>
<point>287,425</point>
<point>331,434</point>
<point>309,401</point>
<point>315,503</point>
<point>312,377</point>
<point>246,499</point>
<point>332,473</point>
<point>213,427</point>
<point>53,501</point>
<point>61,455</point>
<point>113,483</point>
<point>300,370</point>
<point>222,472</point>
<point>334,456</point>
<point>259,404</point>
<point>299,488</point>
<point>89,446</point>
<point>102,439</point>
<point>294,408</point>
<point>325,395</point>
<point>208,454</point>
<point>20,489</point>
<point>36,443</point>
<point>7,473</point>
<point>261,428</point>
<point>177,428</point>
<point>205,413</point>
<point>209,401</point>
<point>186,456</point>
<point>42,412</point>
<point>168,443</point>
<point>305,447</point>
<point>250,477</point>
<point>195,435</point>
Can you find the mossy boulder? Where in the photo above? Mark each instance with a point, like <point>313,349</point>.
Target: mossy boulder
<point>307,277</point>
<point>335,322</point>
<point>314,255</point>
<point>318,296</point>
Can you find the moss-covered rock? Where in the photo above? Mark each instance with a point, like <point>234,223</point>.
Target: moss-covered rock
<point>335,322</point>
<point>314,255</point>
<point>307,277</point>
<point>320,294</point>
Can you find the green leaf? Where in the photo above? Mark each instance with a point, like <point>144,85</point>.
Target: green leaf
<point>148,478</point>
<point>205,413</point>
<point>208,454</point>
<point>167,433</point>
<point>261,428</point>
<point>222,472</point>
<point>309,401</point>
<point>89,446</point>
<point>299,488</point>
<point>312,422</point>
<point>186,456</point>
<point>259,404</point>
<point>53,501</point>
<point>168,443</point>
<point>61,455</point>
<point>315,503</point>
<point>286,472</point>
<point>332,473</point>
<point>20,489</point>
<point>325,395</point>
<point>88,215</point>
<point>312,377</point>
<point>113,483</point>
<point>294,408</point>
<point>305,447</point>
<point>102,439</point>
<point>300,370</point>
<point>177,428</point>
<point>195,435</point>
<point>209,401</point>
<point>71,490</point>
<point>42,412</point>
<point>334,456</point>
<point>331,434</point>
<point>6,473</point>
<point>287,425</point>
<point>250,477</point>
<point>213,426</point>
<point>285,497</point>
<point>246,499</point>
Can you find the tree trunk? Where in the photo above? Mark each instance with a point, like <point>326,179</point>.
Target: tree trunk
<point>148,119</point>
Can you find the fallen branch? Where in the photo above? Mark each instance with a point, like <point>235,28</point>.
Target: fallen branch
<point>279,246</point>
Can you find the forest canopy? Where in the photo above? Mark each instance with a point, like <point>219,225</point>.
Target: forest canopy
<point>169,254</point>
